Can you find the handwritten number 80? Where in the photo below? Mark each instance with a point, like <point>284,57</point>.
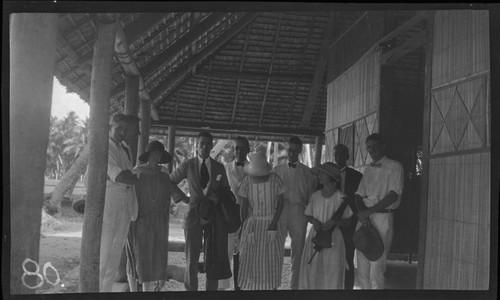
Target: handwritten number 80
<point>37,273</point>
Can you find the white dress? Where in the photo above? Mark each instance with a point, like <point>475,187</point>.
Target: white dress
<point>327,268</point>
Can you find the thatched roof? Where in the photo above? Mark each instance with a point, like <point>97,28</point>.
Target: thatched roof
<point>262,73</point>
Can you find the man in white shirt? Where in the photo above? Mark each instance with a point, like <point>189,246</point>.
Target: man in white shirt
<point>300,183</point>
<point>378,194</point>
<point>235,175</point>
<point>120,206</point>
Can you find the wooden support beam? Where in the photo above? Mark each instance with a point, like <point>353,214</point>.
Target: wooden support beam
<point>98,153</point>
<point>243,53</point>
<point>302,62</point>
<point>426,144</point>
<point>318,147</point>
<point>132,108</point>
<point>318,75</point>
<point>182,71</point>
<point>171,146</point>
<point>259,76</point>
<point>276,154</point>
<point>145,124</point>
<point>142,25</point>
<point>235,129</point>
<point>184,41</point>
<point>124,57</point>
<point>32,59</point>
<point>348,29</point>
<point>132,32</point>
<point>205,99</point>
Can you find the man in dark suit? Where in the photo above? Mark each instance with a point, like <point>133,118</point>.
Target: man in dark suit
<point>349,185</point>
<point>204,175</point>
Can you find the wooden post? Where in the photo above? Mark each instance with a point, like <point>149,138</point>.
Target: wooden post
<point>32,53</point>
<point>100,88</point>
<point>424,192</point>
<point>268,151</point>
<point>318,146</point>
<point>276,154</point>
<point>132,108</point>
<point>145,124</point>
<point>171,146</point>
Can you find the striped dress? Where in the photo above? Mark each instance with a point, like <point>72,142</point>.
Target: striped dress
<point>261,261</point>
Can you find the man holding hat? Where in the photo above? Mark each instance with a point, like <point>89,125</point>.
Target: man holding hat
<point>299,183</point>
<point>204,175</point>
<point>378,194</point>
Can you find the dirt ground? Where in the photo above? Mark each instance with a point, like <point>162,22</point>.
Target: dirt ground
<point>60,246</point>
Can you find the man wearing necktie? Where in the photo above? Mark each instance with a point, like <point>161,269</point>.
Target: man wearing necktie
<point>204,175</point>
<point>378,194</point>
<point>235,175</point>
<point>350,179</point>
<point>299,183</point>
<point>120,205</point>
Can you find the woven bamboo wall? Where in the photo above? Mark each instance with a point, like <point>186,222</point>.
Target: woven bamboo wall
<point>458,224</point>
<point>353,98</point>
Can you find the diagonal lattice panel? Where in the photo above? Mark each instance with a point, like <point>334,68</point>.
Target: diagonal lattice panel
<point>478,111</point>
<point>456,119</point>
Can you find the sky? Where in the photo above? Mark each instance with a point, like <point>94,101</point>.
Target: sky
<point>63,103</point>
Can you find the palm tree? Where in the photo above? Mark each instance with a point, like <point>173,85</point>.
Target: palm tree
<point>67,157</point>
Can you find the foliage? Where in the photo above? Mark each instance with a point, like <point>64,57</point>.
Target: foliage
<point>67,137</point>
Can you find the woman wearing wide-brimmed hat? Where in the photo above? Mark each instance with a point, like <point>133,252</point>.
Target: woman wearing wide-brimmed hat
<point>261,248</point>
<point>323,266</point>
<point>149,233</point>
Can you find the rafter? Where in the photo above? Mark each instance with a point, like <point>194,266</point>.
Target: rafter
<point>262,76</point>
<point>318,75</point>
<point>270,69</point>
<point>302,62</point>
<point>243,54</point>
<point>207,86</point>
<point>235,128</point>
<point>185,69</point>
<point>185,40</point>
<point>132,32</point>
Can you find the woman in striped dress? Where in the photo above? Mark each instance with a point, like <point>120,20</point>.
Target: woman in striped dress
<point>261,249</point>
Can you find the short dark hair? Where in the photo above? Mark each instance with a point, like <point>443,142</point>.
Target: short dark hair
<point>295,140</point>
<point>376,137</point>
<point>205,134</point>
<point>123,118</point>
<point>243,139</point>
<point>341,147</point>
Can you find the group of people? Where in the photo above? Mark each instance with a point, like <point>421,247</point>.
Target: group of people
<point>275,202</point>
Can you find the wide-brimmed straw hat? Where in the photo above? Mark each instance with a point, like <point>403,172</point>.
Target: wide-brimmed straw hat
<point>330,169</point>
<point>367,240</point>
<point>156,146</point>
<point>258,165</point>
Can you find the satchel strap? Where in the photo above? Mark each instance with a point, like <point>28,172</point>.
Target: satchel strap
<point>340,210</point>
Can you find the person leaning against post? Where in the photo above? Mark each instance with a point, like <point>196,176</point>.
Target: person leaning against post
<point>149,233</point>
<point>261,244</point>
<point>120,205</point>
<point>299,185</point>
<point>378,195</point>
<point>235,175</point>
<point>204,175</point>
